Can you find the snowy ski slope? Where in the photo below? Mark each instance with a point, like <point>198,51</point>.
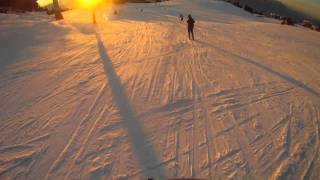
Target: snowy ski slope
<point>132,97</point>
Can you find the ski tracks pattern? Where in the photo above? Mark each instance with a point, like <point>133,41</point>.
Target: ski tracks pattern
<point>206,115</point>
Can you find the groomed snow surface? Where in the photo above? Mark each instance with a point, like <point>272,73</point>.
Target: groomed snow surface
<point>132,97</point>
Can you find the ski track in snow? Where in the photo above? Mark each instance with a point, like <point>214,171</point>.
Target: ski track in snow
<point>132,97</point>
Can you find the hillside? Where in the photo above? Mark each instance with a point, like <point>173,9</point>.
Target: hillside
<point>132,97</point>
<point>275,6</point>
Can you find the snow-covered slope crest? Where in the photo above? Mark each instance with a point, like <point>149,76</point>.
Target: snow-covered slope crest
<point>132,97</point>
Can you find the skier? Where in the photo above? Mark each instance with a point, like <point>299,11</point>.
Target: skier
<point>181,17</point>
<point>190,26</point>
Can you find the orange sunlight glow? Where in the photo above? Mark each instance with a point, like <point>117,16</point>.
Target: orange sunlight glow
<point>89,3</point>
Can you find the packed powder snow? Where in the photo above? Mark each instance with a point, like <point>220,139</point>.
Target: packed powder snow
<point>133,98</point>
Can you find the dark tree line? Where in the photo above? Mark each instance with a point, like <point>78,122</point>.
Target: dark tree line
<point>272,8</point>
<point>27,5</point>
<point>24,5</point>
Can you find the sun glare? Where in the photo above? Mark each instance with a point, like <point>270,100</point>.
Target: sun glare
<point>89,3</point>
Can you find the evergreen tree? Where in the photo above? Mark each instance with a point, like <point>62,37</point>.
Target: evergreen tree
<point>24,5</point>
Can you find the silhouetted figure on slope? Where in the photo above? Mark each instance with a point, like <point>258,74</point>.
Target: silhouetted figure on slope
<point>190,26</point>
<point>181,17</point>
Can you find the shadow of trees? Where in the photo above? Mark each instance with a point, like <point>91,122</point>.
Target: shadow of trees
<point>144,152</point>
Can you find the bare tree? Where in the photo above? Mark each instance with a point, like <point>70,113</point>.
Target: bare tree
<point>57,10</point>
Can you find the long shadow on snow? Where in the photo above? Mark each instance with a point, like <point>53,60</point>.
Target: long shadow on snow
<point>268,69</point>
<point>144,152</point>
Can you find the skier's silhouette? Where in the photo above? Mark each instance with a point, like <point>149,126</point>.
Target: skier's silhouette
<point>181,17</point>
<point>190,26</point>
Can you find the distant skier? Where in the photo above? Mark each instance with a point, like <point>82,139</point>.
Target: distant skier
<point>181,17</point>
<point>190,26</point>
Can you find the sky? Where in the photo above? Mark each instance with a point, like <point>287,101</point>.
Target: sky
<point>310,7</point>
<point>44,2</point>
<point>62,2</point>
